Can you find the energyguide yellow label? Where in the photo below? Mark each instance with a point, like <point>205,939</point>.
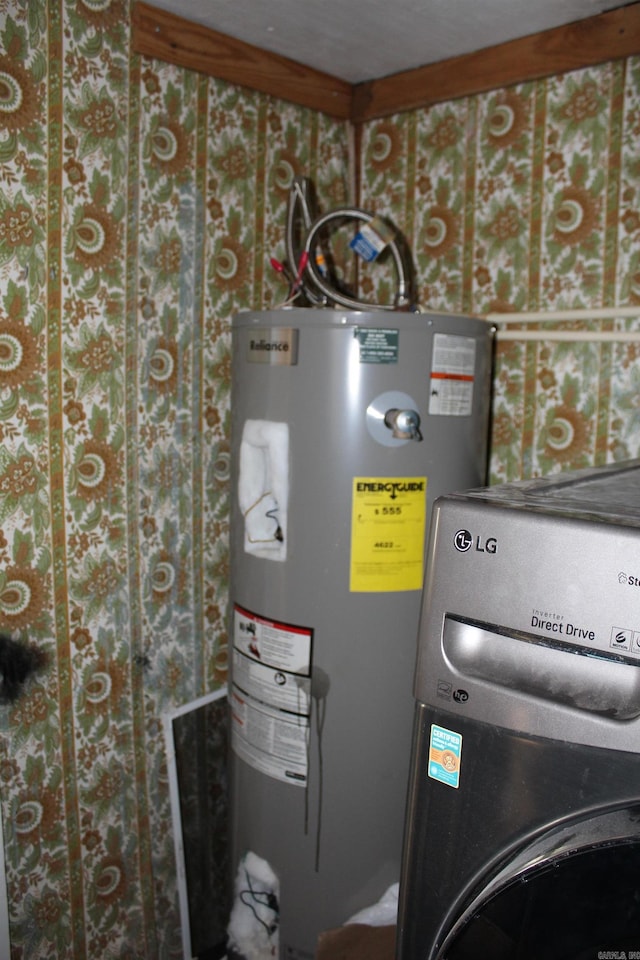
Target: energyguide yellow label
<point>388,520</point>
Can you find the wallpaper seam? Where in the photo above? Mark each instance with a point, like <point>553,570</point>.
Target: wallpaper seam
<point>57,477</point>
<point>260,200</point>
<point>612,199</point>
<point>138,654</point>
<point>537,193</point>
<point>410,185</point>
<point>314,125</point>
<point>201,677</point>
<point>530,406</point>
<point>470,183</point>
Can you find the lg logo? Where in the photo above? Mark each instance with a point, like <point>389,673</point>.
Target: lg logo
<point>463,541</point>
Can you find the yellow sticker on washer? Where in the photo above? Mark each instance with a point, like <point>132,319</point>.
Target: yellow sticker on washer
<point>388,520</point>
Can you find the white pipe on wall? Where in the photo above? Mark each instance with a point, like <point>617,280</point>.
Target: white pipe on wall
<point>580,313</point>
<point>575,336</point>
<point>567,336</point>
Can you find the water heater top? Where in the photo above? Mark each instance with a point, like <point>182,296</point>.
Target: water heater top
<point>324,317</point>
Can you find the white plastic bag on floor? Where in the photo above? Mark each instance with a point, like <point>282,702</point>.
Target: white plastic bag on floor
<point>382,913</point>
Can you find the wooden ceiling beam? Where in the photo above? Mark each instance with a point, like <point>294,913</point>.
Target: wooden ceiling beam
<point>160,34</point>
<point>606,36</point>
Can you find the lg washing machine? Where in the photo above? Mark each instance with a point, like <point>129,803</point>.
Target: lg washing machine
<point>522,835</point>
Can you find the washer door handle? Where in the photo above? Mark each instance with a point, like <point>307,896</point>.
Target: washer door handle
<point>574,676</point>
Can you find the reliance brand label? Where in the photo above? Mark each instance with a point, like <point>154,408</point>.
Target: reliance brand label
<point>276,346</point>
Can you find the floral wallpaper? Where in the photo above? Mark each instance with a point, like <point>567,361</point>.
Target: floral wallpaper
<point>139,205</point>
<point>528,199</point>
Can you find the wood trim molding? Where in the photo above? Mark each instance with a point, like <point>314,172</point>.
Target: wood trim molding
<point>158,33</point>
<point>607,36</point>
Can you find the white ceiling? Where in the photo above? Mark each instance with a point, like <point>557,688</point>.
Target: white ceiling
<point>360,40</point>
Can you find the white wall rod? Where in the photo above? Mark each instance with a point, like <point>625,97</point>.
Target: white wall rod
<point>575,336</point>
<point>542,316</point>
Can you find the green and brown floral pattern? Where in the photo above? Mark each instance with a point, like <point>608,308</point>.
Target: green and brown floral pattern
<point>527,199</point>
<point>139,204</point>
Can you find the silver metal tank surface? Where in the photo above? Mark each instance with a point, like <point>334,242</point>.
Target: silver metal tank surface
<point>345,428</point>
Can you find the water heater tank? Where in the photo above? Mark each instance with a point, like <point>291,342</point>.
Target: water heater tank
<point>345,428</point>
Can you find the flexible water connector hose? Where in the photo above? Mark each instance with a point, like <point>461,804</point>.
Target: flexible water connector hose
<point>401,301</point>
<point>301,239</point>
<point>299,205</point>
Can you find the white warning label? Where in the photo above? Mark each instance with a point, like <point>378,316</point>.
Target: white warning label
<point>271,695</point>
<point>452,375</point>
<point>269,741</point>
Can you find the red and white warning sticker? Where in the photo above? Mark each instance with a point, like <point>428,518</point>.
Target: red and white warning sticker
<point>271,695</point>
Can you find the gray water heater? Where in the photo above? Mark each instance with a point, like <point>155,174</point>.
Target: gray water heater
<point>345,428</point>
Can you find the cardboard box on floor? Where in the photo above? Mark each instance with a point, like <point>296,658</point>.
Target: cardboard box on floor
<point>357,941</point>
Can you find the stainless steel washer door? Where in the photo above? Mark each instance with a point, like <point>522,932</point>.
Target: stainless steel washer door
<point>574,894</point>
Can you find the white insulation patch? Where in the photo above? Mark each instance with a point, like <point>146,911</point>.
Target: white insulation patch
<point>254,921</point>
